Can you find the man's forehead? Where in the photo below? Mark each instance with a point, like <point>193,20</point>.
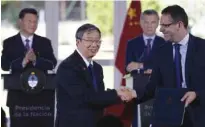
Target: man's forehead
<point>91,33</point>
<point>166,18</point>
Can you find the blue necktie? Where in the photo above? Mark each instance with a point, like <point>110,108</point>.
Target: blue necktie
<point>149,46</point>
<point>178,67</point>
<point>27,44</point>
<point>92,74</point>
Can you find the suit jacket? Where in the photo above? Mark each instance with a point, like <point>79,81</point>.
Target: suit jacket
<point>12,56</point>
<point>78,104</point>
<point>136,51</point>
<point>14,51</point>
<point>164,76</point>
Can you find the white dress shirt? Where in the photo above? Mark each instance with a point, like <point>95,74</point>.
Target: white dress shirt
<point>183,52</point>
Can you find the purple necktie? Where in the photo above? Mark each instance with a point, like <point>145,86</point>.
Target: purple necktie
<point>178,67</point>
<point>27,44</point>
<point>149,46</point>
<point>92,74</point>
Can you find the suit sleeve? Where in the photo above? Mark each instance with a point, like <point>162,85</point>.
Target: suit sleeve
<point>155,80</point>
<point>198,79</point>
<point>72,81</point>
<point>129,54</point>
<point>7,62</point>
<point>46,59</point>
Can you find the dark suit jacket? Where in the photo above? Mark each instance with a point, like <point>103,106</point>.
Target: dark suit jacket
<point>164,76</point>
<point>14,52</point>
<point>136,51</point>
<point>78,105</point>
<point>12,56</point>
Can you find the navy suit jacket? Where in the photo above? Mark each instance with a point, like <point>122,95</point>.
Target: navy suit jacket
<point>136,51</point>
<point>163,76</point>
<point>12,56</point>
<point>14,51</point>
<point>78,104</point>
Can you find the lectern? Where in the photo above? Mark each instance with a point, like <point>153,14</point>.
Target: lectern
<point>31,97</point>
<point>138,80</point>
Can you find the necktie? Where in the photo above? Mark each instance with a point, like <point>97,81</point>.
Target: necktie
<point>92,74</point>
<point>27,44</point>
<point>178,67</point>
<point>149,46</point>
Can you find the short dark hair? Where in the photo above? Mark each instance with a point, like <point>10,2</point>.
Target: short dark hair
<point>25,11</point>
<point>85,28</point>
<point>149,12</point>
<point>177,13</point>
<point>110,121</point>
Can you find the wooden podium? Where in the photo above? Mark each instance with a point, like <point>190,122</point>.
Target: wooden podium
<point>31,98</point>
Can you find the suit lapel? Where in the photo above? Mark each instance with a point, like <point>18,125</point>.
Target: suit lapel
<point>143,42</point>
<point>155,43</point>
<point>35,44</point>
<point>83,68</point>
<point>20,43</point>
<point>189,58</point>
<point>170,64</point>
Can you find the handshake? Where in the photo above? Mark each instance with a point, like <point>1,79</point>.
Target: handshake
<point>126,94</point>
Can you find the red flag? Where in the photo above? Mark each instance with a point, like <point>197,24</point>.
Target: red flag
<point>130,30</point>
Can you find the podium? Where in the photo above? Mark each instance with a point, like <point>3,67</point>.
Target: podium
<point>143,111</point>
<point>31,98</point>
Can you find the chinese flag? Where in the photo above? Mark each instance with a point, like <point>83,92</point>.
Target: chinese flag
<point>130,30</point>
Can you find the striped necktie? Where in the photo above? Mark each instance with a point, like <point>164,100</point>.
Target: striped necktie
<point>27,44</point>
<point>149,46</point>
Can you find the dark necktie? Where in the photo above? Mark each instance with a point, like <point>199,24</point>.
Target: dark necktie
<point>92,74</point>
<point>149,46</point>
<point>27,44</point>
<point>178,67</point>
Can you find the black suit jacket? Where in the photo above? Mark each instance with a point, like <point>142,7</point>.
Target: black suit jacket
<point>163,75</point>
<point>14,52</point>
<point>12,56</point>
<point>136,50</point>
<point>78,104</point>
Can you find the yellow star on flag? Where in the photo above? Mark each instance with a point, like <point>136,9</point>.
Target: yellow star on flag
<point>132,13</point>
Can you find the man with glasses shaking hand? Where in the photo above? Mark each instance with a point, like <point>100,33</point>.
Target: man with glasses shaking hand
<point>180,63</point>
<point>80,89</point>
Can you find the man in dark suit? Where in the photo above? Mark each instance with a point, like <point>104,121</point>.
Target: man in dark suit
<point>180,63</point>
<point>80,89</point>
<point>140,49</point>
<point>22,51</point>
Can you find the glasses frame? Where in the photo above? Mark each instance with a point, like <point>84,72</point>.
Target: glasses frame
<point>98,42</point>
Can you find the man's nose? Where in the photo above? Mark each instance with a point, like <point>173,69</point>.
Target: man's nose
<point>161,29</point>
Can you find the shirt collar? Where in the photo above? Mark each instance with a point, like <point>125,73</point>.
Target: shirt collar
<point>184,41</point>
<point>30,38</point>
<point>148,37</point>
<point>84,59</point>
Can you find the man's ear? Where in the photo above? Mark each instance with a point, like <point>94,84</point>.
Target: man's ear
<point>77,42</point>
<point>19,21</point>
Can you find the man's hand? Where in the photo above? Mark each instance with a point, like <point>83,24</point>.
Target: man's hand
<point>126,94</point>
<point>134,66</point>
<point>189,97</point>
<point>148,71</point>
<point>31,55</point>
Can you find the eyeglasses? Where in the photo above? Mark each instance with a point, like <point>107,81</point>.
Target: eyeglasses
<point>167,25</point>
<point>98,42</point>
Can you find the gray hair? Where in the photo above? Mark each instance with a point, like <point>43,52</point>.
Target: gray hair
<point>86,28</point>
<point>149,12</point>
